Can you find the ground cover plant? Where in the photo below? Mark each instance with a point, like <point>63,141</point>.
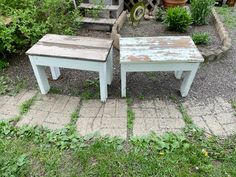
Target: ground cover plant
<point>29,151</point>
<point>178,19</point>
<point>201,38</point>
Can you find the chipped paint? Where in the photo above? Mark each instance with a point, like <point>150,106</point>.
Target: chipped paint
<point>139,58</point>
<point>159,49</point>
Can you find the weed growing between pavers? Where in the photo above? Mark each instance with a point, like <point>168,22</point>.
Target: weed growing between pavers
<point>90,90</point>
<point>130,115</point>
<point>24,108</point>
<point>187,119</point>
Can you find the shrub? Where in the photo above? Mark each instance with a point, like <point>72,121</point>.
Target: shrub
<point>177,19</point>
<point>3,64</point>
<point>160,14</point>
<point>201,38</point>
<point>31,19</point>
<point>200,10</point>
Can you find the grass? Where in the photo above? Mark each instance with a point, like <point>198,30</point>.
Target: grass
<point>90,90</point>
<point>130,114</point>
<point>38,152</point>
<point>25,106</point>
<point>228,15</point>
<point>186,117</point>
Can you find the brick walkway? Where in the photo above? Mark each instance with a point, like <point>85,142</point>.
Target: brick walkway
<point>9,105</point>
<point>216,117</point>
<point>51,111</point>
<point>156,116</point>
<point>54,112</point>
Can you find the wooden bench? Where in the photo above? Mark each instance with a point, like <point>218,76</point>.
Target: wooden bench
<point>171,53</point>
<point>72,52</point>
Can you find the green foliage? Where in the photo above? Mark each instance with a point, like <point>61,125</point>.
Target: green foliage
<point>36,152</point>
<point>200,10</point>
<point>3,64</point>
<point>25,106</point>
<point>130,117</point>
<point>186,117</point>
<point>160,14</point>
<point>4,88</point>
<point>233,104</point>
<point>96,10</point>
<point>228,15</point>
<point>91,89</point>
<point>178,19</point>
<point>201,38</point>
<point>8,87</point>
<point>32,19</point>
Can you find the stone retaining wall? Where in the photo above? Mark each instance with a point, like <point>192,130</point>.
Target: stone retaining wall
<point>224,37</point>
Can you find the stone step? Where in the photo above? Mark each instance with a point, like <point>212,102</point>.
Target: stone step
<point>99,21</point>
<point>106,7</point>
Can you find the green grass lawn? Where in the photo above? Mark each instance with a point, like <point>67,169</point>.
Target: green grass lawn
<point>38,152</point>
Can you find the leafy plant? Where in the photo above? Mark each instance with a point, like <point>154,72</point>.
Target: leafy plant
<point>96,11</point>
<point>32,19</point>
<point>160,14</point>
<point>200,10</point>
<point>8,87</point>
<point>3,64</point>
<point>178,19</point>
<point>25,106</point>
<point>201,38</point>
<point>228,15</point>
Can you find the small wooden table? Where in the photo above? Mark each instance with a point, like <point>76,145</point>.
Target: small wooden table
<point>171,53</point>
<point>73,52</point>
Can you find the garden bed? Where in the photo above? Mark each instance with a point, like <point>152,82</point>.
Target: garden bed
<point>152,28</point>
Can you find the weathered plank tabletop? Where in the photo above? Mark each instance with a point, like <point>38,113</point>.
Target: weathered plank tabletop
<point>72,52</point>
<point>159,49</point>
<point>73,47</point>
<point>164,53</point>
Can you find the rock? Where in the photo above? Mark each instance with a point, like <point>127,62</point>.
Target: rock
<point>148,17</point>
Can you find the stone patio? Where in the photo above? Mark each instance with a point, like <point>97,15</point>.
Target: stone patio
<point>110,118</point>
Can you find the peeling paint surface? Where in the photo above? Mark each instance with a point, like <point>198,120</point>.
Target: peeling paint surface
<point>159,49</point>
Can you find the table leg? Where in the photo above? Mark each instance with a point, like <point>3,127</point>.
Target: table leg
<point>178,74</point>
<point>55,72</point>
<point>123,82</point>
<point>103,82</point>
<point>41,77</point>
<point>188,79</point>
<point>110,67</point>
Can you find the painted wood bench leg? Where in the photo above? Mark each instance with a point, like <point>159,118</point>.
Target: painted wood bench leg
<point>187,81</point>
<point>123,82</point>
<point>178,74</point>
<point>55,72</point>
<point>103,82</point>
<point>41,77</point>
<point>110,67</point>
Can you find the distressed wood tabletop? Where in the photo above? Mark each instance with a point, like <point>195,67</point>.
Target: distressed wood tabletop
<point>73,47</point>
<point>159,49</point>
